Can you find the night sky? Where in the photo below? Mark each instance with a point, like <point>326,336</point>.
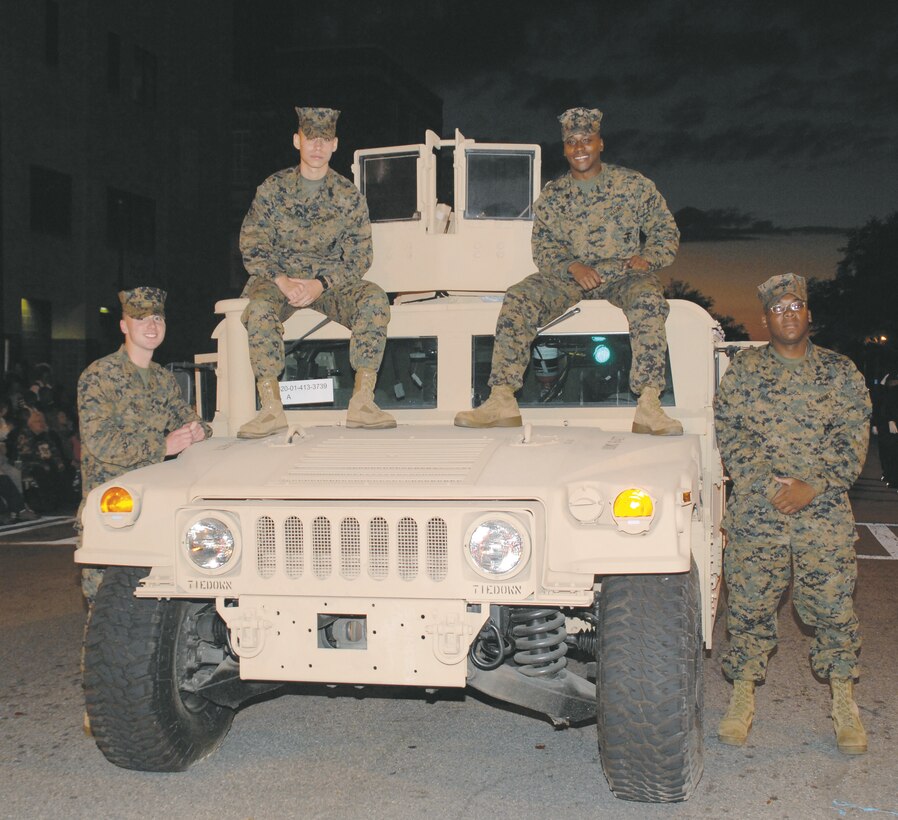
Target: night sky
<point>785,111</point>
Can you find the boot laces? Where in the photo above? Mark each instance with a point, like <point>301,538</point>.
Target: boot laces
<point>844,708</point>
<point>742,700</point>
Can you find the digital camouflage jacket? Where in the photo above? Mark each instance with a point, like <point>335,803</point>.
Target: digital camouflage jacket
<point>601,227</point>
<point>809,422</point>
<point>326,234</point>
<point>123,421</point>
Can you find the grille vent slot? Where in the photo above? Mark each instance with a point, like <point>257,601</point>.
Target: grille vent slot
<point>265,546</point>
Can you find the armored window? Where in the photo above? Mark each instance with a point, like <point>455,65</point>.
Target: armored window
<point>500,184</point>
<point>318,375</point>
<point>390,184</point>
<point>576,370</point>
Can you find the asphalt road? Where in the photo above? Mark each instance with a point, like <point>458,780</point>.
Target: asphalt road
<point>395,753</point>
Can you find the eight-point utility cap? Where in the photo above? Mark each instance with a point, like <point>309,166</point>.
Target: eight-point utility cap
<point>318,122</point>
<point>138,303</point>
<point>580,121</point>
<point>776,287</point>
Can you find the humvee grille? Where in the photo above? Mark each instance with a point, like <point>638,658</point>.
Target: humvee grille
<point>322,546</point>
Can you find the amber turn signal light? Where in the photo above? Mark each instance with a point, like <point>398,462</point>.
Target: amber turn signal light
<point>116,500</point>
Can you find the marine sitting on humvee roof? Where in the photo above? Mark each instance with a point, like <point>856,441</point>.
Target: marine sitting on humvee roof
<point>569,567</point>
<point>306,242</point>
<point>587,245</point>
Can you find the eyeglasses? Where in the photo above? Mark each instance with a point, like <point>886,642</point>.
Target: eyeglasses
<point>792,307</point>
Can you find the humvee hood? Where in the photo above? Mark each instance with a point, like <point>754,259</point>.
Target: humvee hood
<point>424,462</point>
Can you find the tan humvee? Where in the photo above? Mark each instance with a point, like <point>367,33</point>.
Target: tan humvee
<point>569,566</point>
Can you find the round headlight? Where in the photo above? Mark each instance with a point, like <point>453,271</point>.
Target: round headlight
<point>497,547</point>
<point>210,543</point>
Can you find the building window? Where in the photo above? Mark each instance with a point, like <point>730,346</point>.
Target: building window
<point>130,222</point>
<point>113,62</point>
<point>37,329</point>
<point>189,165</point>
<point>51,201</point>
<point>51,32</point>
<point>143,78</point>
<point>240,156</point>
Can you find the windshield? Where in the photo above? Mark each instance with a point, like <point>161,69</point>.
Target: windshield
<point>570,370</point>
<point>317,374</point>
<point>564,370</point>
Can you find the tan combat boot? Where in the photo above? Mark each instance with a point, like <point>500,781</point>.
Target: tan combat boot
<point>850,735</point>
<point>362,411</point>
<point>499,410</point>
<point>271,418</point>
<point>736,723</point>
<point>650,418</point>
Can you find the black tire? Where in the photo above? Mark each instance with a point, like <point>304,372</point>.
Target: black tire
<point>649,686</point>
<point>135,657</point>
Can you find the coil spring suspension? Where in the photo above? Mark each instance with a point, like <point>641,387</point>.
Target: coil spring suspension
<point>539,637</point>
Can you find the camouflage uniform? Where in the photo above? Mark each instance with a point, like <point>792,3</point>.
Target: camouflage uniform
<point>124,417</point>
<point>322,234</point>
<point>808,419</point>
<point>599,227</point>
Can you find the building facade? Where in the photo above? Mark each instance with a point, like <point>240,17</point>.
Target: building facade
<point>114,156</point>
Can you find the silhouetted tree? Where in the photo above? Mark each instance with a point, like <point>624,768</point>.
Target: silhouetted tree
<point>856,309</point>
<point>678,289</point>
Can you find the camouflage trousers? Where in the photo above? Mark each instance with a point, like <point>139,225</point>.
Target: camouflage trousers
<point>817,552</point>
<point>541,297</point>
<point>91,577</point>
<point>360,305</point>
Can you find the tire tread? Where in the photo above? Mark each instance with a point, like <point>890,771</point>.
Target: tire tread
<point>649,686</point>
<point>128,682</point>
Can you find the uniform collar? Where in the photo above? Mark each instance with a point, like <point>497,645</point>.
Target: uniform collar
<point>327,180</point>
<point>122,353</point>
<point>602,181</point>
<point>810,356</point>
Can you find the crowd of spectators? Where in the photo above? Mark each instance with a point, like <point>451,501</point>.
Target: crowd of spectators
<point>40,451</point>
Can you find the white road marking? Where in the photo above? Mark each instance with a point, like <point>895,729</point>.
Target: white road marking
<point>30,526</point>
<point>27,526</point>
<point>887,540</point>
